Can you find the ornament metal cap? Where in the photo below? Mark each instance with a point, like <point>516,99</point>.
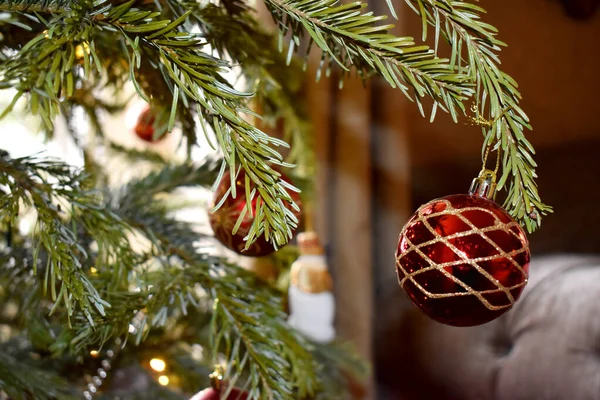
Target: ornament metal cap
<point>309,243</point>
<point>484,185</point>
<point>216,377</point>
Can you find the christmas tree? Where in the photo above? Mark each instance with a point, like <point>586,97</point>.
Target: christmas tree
<point>111,293</point>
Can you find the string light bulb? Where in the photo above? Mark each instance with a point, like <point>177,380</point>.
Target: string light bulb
<point>163,380</point>
<point>82,50</point>
<point>157,364</point>
<point>94,353</point>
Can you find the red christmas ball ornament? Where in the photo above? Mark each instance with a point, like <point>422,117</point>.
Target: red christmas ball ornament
<point>213,394</point>
<point>462,259</point>
<point>144,127</point>
<point>224,219</point>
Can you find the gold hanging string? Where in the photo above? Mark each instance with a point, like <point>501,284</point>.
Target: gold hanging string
<point>478,120</point>
<point>497,161</point>
<point>485,158</point>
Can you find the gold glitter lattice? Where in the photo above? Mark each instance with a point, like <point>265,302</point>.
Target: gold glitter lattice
<point>498,225</point>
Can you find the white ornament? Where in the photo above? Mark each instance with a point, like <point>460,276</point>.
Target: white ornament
<point>311,312</point>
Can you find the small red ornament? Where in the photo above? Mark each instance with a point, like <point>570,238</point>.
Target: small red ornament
<point>462,259</point>
<point>213,394</point>
<point>144,127</point>
<point>580,9</point>
<point>219,387</point>
<point>223,220</point>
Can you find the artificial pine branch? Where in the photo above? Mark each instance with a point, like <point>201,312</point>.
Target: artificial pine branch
<point>134,155</point>
<point>46,68</point>
<point>29,184</point>
<point>196,76</point>
<point>254,321</point>
<point>254,317</point>
<point>169,291</point>
<point>352,39</point>
<point>329,357</point>
<point>21,380</point>
<point>33,6</point>
<point>25,307</point>
<point>73,47</point>
<point>348,37</point>
<point>497,99</point>
<point>246,311</point>
<point>233,32</point>
<point>172,177</point>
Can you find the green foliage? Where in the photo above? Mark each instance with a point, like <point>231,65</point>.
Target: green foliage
<point>137,155</point>
<point>257,342</point>
<point>23,381</point>
<point>339,380</point>
<point>353,39</point>
<point>69,53</point>
<point>38,5</point>
<point>175,281</point>
<point>102,266</point>
<point>154,48</point>
<point>63,203</point>
<point>233,31</point>
<point>475,47</point>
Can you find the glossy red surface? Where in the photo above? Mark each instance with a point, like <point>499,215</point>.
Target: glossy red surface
<point>212,394</point>
<point>144,127</point>
<point>223,220</point>
<point>445,252</point>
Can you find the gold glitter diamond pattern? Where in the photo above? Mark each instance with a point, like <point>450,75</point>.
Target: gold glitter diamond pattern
<point>498,226</point>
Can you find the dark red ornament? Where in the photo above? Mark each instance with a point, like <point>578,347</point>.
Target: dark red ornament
<point>223,220</point>
<point>213,394</point>
<point>144,127</point>
<point>581,9</point>
<point>463,260</point>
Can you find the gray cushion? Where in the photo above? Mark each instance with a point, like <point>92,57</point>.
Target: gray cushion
<point>546,348</point>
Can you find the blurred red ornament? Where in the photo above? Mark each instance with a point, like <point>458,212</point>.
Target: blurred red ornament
<point>223,220</point>
<point>581,9</point>
<point>144,127</point>
<point>463,260</point>
<point>213,394</point>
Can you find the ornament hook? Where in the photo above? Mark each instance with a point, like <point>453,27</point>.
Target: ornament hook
<point>484,185</point>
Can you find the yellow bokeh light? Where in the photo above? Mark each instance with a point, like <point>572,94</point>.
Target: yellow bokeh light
<point>163,380</point>
<point>81,50</point>
<point>157,364</point>
<point>94,353</point>
<point>93,270</point>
